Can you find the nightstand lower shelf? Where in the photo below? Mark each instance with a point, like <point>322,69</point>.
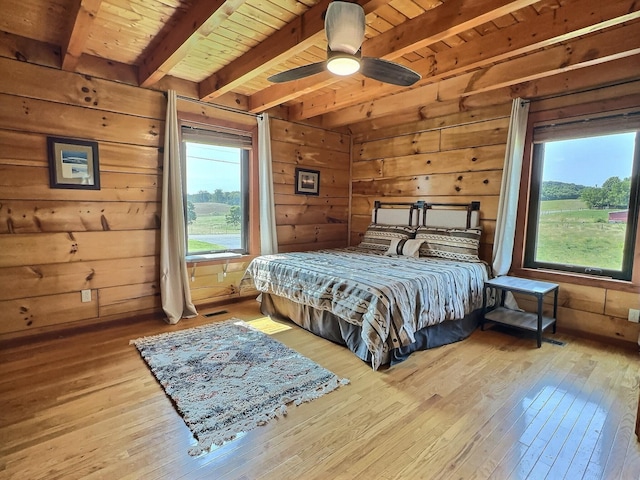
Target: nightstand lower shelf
<point>514,318</point>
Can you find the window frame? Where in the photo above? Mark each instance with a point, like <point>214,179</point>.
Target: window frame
<point>534,216</point>
<point>539,113</point>
<point>250,180</point>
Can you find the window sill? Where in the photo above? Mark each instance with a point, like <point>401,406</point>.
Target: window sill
<point>216,258</point>
<point>577,279</point>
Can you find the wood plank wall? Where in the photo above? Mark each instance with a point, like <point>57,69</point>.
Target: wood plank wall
<point>453,158</point>
<point>307,222</point>
<point>459,157</point>
<point>56,242</point>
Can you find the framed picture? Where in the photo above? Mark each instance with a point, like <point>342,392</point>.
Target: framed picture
<point>307,181</point>
<point>73,163</point>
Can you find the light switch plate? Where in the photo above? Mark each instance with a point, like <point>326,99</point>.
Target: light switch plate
<point>634,315</point>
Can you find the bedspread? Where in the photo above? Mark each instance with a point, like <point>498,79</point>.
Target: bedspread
<point>390,298</point>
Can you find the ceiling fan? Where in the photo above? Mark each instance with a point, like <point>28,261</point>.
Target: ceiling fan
<point>344,26</point>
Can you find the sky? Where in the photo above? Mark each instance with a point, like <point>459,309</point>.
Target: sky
<point>203,174</point>
<point>589,161</point>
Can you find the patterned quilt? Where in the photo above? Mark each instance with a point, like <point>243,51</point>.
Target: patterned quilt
<point>389,297</point>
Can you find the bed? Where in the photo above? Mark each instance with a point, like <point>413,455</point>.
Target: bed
<point>415,282</point>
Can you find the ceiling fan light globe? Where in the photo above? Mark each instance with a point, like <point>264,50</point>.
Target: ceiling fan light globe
<point>343,65</point>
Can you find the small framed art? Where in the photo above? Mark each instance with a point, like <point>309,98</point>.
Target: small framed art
<point>307,181</point>
<point>73,163</point>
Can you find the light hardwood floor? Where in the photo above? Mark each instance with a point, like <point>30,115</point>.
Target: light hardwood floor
<point>84,405</point>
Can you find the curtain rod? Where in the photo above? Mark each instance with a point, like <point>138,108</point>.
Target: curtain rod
<point>220,107</point>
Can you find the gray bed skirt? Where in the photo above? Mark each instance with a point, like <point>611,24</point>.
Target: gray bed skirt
<point>328,326</point>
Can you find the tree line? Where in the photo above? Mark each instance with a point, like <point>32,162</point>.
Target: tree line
<point>218,196</point>
<point>614,193</point>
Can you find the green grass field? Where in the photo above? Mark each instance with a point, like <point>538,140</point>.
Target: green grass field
<point>570,234</point>
<point>211,219</point>
<point>554,205</point>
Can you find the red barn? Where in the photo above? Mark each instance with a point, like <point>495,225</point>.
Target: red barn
<point>618,217</point>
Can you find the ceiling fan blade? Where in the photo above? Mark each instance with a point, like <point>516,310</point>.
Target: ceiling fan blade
<point>344,26</point>
<point>388,72</point>
<point>298,73</point>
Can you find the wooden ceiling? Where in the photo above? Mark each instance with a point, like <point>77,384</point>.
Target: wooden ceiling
<point>228,48</point>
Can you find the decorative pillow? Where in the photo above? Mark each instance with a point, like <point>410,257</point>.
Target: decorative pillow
<point>452,243</point>
<point>404,248</point>
<point>378,237</point>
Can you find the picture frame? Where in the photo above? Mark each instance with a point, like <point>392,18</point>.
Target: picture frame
<point>307,182</point>
<point>73,163</point>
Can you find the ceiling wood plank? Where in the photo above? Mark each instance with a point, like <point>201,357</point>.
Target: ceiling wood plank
<point>448,19</point>
<point>597,48</point>
<point>294,38</point>
<point>199,22</point>
<point>573,19</point>
<point>84,14</point>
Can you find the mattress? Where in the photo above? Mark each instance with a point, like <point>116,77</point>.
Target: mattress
<point>388,298</point>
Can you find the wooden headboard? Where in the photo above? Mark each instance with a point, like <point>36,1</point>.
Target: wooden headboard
<point>449,215</point>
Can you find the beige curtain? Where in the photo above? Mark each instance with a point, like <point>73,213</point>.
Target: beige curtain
<point>174,280</point>
<point>509,192</point>
<point>268,236</point>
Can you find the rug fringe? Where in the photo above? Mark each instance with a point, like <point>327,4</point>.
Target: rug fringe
<point>207,442</point>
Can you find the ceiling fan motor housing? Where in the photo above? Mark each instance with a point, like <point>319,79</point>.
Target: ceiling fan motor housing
<point>344,25</point>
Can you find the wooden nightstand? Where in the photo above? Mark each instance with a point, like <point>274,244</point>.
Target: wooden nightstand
<point>535,322</point>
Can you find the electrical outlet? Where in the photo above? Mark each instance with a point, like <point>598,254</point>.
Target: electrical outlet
<point>220,277</point>
<point>634,315</point>
<point>86,295</point>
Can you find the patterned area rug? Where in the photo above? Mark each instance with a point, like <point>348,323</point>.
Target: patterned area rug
<point>228,377</point>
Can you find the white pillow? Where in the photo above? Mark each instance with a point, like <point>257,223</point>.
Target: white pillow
<point>405,248</point>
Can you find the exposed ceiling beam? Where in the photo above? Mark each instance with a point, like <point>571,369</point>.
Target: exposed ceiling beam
<point>593,49</point>
<point>200,21</point>
<point>295,37</point>
<point>569,21</point>
<point>83,16</point>
<point>450,18</point>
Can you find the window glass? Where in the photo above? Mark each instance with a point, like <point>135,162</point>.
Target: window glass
<point>583,209</point>
<point>216,196</point>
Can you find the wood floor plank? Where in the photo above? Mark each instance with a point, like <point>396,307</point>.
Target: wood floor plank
<point>84,405</point>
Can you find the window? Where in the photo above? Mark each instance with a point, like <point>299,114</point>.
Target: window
<point>583,205</point>
<point>216,165</point>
